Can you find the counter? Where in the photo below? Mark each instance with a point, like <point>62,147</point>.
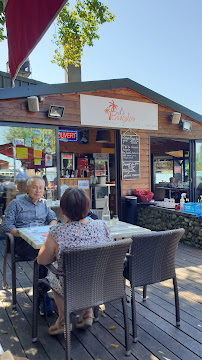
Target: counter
<point>73,182</point>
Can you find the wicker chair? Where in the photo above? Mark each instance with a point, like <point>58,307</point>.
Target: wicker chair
<point>151,260</point>
<point>10,248</point>
<point>92,276</point>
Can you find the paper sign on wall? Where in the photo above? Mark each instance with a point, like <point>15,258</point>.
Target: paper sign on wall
<point>37,152</point>
<point>83,184</point>
<point>48,160</point>
<point>28,142</point>
<point>37,161</point>
<point>22,153</point>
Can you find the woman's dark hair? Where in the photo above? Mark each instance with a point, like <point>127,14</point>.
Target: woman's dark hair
<point>75,204</point>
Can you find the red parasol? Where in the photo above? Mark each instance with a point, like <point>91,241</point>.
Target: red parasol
<point>26,23</point>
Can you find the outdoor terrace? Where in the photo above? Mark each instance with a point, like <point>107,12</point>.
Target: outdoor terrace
<point>158,336</point>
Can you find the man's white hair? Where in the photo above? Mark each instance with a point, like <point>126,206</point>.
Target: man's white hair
<point>29,181</point>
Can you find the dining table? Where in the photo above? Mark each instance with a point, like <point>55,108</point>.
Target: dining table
<point>36,235</point>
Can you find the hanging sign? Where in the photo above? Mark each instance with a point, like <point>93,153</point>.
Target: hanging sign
<point>130,154</point>
<point>116,113</point>
<point>83,184</point>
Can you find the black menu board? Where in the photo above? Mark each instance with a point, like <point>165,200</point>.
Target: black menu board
<point>130,157</point>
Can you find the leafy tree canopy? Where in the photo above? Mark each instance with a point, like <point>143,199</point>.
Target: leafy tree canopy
<point>75,29</point>
<point>2,22</point>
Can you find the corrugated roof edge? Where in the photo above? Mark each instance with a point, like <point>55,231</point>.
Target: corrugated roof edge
<point>81,87</point>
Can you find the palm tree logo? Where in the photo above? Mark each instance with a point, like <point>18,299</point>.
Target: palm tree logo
<point>111,109</point>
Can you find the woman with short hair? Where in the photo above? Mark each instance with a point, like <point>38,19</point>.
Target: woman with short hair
<point>80,230</point>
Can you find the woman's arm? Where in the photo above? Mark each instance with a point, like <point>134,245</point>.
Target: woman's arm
<point>49,250</point>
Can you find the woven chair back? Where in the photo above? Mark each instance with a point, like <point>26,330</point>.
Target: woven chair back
<point>94,275</point>
<point>153,257</point>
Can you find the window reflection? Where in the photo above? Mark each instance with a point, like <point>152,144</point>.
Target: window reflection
<point>26,152</point>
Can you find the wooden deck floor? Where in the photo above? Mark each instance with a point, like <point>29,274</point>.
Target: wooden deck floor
<point>158,336</point>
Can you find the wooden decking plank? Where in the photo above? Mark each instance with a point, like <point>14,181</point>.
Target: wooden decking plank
<point>92,345</point>
<point>166,315</point>
<point>107,337</point>
<point>169,307</point>
<point>167,340</point>
<point>139,350</point>
<point>186,297</point>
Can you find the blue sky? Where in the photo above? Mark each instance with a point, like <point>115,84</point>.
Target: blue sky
<point>157,43</point>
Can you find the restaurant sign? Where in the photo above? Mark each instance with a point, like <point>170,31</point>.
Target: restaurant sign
<point>116,113</point>
<point>68,135</point>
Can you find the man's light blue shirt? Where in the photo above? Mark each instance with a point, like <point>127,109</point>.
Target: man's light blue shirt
<point>22,212</point>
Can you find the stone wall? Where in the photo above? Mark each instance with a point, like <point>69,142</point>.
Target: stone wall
<point>156,219</point>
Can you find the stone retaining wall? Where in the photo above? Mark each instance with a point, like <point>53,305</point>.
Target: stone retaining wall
<point>156,218</point>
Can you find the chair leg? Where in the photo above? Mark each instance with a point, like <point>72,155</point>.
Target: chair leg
<point>125,314</point>
<point>67,335</point>
<point>13,270</point>
<point>177,306</point>
<point>133,309</point>
<point>4,265</point>
<point>144,292</point>
<point>35,301</point>
<point>96,313</point>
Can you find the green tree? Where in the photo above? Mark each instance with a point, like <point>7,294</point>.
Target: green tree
<point>75,29</point>
<point>2,22</point>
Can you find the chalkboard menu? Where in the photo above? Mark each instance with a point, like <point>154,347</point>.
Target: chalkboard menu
<point>130,157</point>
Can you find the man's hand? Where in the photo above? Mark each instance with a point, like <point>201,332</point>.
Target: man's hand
<point>15,232</point>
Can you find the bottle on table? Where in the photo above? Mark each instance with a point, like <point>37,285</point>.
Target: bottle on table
<point>49,197</point>
<point>106,212</point>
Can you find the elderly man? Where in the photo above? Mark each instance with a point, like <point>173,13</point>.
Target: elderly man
<point>28,210</point>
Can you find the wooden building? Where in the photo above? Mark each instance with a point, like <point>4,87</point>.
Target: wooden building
<point>180,143</point>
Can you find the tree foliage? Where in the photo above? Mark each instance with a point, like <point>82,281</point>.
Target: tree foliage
<point>77,28</point>
<point>2,22</point>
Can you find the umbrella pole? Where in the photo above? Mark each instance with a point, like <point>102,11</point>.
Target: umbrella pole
<point>14,159</point>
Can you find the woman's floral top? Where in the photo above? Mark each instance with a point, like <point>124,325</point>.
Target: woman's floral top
<point>75,234</point>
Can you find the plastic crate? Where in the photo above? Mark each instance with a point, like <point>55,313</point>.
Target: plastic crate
<point>193,208</point>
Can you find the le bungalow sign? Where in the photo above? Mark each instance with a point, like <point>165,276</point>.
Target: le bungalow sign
<point>116,113</point>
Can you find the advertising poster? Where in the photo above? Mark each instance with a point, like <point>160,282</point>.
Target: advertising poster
<point>37,161</point>
<point>48,160</point>
<point>47,140</point>
<point>28,142</point>
<point>22,153</point>
<point>37,152</point>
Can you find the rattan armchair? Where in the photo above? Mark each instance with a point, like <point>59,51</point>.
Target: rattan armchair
<point>92,276</point>
<point>10,248</point>
<point>151,260</point>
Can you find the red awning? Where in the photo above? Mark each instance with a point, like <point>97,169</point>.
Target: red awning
<point>7,150</point>
<point>26,23</point>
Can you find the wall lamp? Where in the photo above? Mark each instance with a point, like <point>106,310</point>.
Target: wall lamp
<point>175,117</point>
<point>186,125</point>
<point>56,111</point>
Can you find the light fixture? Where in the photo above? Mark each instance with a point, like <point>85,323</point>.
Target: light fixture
<point>186,125</point>
<point>175,117</point>
<point>56,111</point>
<point>103,136</point>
